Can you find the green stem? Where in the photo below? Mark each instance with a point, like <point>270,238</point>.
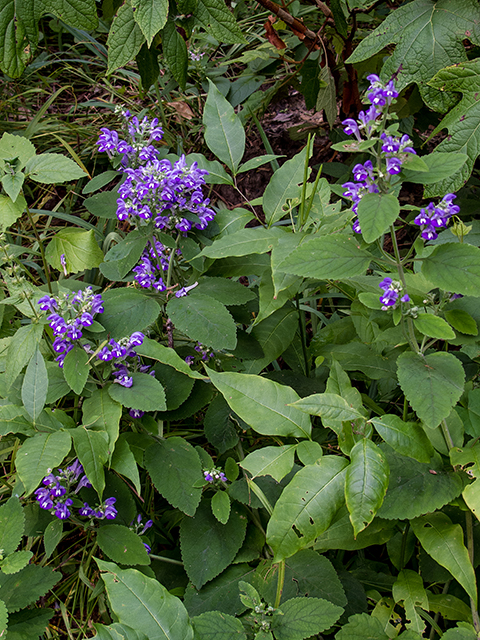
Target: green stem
<point>302,334</point>
<point>46,268</point>
<point>304,185</point>
<point>469,523</point>
<point>260,495</point>
<point>446,435</point>
<point>169,560</point>
<point>171,261</point>
<point>280,583</point>
<point>404,545</point>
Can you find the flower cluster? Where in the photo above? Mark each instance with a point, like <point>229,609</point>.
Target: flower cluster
<point>124,358</point>
<point>391,291</point>
<point>214,474</point>
<point>170,195</point>
<point>435,216</point>
<point>204,352</point>
<point>71,313</point>
<point>393,148</point>
<point>55,494</point>
<point>134,144</point>
<point>153,263</point>
<point>139,528</point>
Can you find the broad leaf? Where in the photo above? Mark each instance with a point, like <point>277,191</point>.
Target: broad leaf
<point>101,412</point>
<point>329,406</point>
<point>12,521</point>
<point>407,438</point>
<point>244,242</point>
<point>454,267</point>
<point>221,506</point>
<point>166,355</point>
<point>10,211</point>
<point>125,38</point>
<point>224,133</point>
<point>175,52</point>
<point>213,625</point>
<point>203,319</point>
<point>151,16</point>
<point>441,167</point>
<point>122,545</point>
<point>274,334</point>
<point>208,546</point>
<point>409,588</point>
<point>145,394</point>
<point>366,483</point>
<point>218,21</point>
<point>79,247</point>
<point>15,562</point>
<point>53,168</point>
<point>35,385</point>
<point>76,369</point>
<point>307,504</point>
<point>228,292</point>
<point>376,213</point>
<point>126,311</point>
<point>144,604</point>
<point>444,542</point>
<point>432,384</point>
<point>38,454</point>
<point>92,451</point>
<point>125,255</point>
<point>270,461</point>
<point>20,350</point>
<point>433,326</point>
<point>123,462</point>
<point>262,403</point>
<point>361,626</point>
<point>175,469</point>
<point>18,590</point>
<point>434,32</point>
<point>461,321</point>
<point>303,617</point>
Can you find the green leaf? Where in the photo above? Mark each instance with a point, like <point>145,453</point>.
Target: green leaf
<point>327,95</point>
<point>101,412</point>
<point>361,626</point>
<point>462,321</point>
<point>144,604</point>
<point>433,326</point>
<point>53,168</point>
<point>284,185</point>
<point>203,319</point>
<point>125,255</point>
<point>16,146</point>
<point>450,607</point>
<point>213,625</point>
<point>38,454</point>
<point>274,334</point>
<point>409,588</point>
<point>117,631</point>
<point>16,561</point>
<point>221,506</point>
<point>126,311</point>
<point>366,483</point>
<point>156,351</point>
<point>12,184</point>
<point>309,452</point>
<point>224,134</point>
<point>21,349</point>
<point>122,545</point>
<point>329,406</point>
<point>174,466</point>
<point>407,438</point>
<point>79,247</point>
<point>12,522</point>
<point>35,385</point>
<point>52,536</point>
<point>218,426</point>
<point>270,461</point>
<point>77,13</point>
<point>441,166</point>
<point>175,52</point>
<point>123,462</point>
<point>327,257</point>
<point>208,546</point>
<point>460,633</point>
<point>18,590</point>
<point>76,369</point>
<point>461,122</point>
<point>227,292</point>
<point>145,394</point>
<point>151,16</point>
<point>307,505</point>
<point>454,267</point>
<point>92,451</point>
<point>434,32</point>
<point>218,21</point>
<point>15,419</point>
<point>301,618</point>
<point>262,403</point>
<point>13,40</point>
<point>432,384</point>
<point>416,488</point>
<point>10,211</point>
<point>376,213</point>
<point>28,623</point>
<point>244,242</point>
<point>125,38</point>
<point>443,541</point>
<point>218,175</point>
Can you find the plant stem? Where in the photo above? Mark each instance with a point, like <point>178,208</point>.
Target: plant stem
<point>303,337</point>
<point>446,435</point>
<point>280,583</point>
<point>169,560</point>
<point>469,523</point>
<point>46,268</point>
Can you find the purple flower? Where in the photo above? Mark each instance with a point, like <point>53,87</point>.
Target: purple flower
<point>110,511</point>
<point>61,509</point>
<point>47,303</point>
<point>147,547</point>
<point>351,128</point>
<point>86,510</point>
<point>136,413</point>
<point>389,298</point>
<point>136,339</point>
<point>394,166</point>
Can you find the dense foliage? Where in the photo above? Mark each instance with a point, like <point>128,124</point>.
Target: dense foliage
<point>254,422</point>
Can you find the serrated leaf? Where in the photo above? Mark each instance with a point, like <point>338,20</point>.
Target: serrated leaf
<point>244,242</point>
<point>101,412</point>
<point>28,623</point>
<point>224,134</point>
<point>203,319</point>
<point>214,625</point>
<point>16,561</point>
<point>301,618</point>
<point>228,292</point>
<point>40,453</point>
<point>284,184</point>
<point>166,355</point>
<point>12,521</point>
<point>10,211</point>
<point>145,394</point>
<point>443,541</point>
<point>12,184</point>
<point>79,247</point>
<point>92,451</point>
<point>327,257</point>
<point>35,385</point>
<point>376,213</point>
<point>151,16</point>
<point>20,589</point>
<point>454,267</point>
<point>327,95</point>
<point>126,311</point>
<point>77,13</point>
<point>276,462</point>
<point>440,167</point>
<point>76,369</point>
<point>407,438</point>
<point>461,321</point>
<point>221,506</point>
<point>216,19</point>
<point>16,146</point>
<point>329,406</point>
<point>13,40</point>
<point>174,466</point>
<point>434,31</point>
<point>218,426</point>
<point>409,588</point>
<point>361,626</point>
<point>175,52</point>
<point>122,545</point>
<point>124,256</point>
<point>53,168</point>
<point>416,488</point>
<point>125,38</point>
<point>208,546</point>
<point>20,350</point>
<point>308,504</point>
<point>432,384</point>
<point>433,326</point>
<point>366,483</point>
<point>262,403</point>
<point>144,604</point>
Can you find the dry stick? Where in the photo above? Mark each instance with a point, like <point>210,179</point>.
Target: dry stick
<point>292,22</point>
